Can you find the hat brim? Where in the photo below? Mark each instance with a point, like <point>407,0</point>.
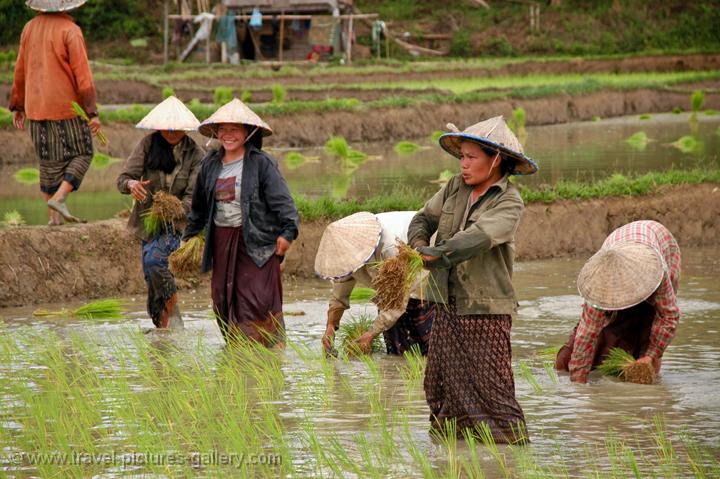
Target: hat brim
<point>524,165</point>
<point>210,129</point>
<point>67,8</point>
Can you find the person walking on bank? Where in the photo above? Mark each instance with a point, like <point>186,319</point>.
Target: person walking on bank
<point>349,252</point>
<point>630,291</point>
<point>165,160</point>
<point>243,202</point>
<point>52,71</point>
<point>469,378</point>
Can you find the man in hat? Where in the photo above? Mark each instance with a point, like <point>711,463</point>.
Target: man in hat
<point>630,288</point>
<point>469,379</point>
<point>51,72</point>
<point>348,255</point>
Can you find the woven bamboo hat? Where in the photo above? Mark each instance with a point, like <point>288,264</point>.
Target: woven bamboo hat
<point>621,275</point>
<point>492,133</point>
<point>346,245</point>
<point>233,112</point>
<point>54,5</point>
<point>172,115</point>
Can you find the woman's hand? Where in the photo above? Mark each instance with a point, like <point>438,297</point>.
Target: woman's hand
<point>282,246</point>
<point>137,189</point>
<point>429,259</point>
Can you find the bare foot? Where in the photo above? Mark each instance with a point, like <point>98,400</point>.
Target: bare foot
<point>63,210</point>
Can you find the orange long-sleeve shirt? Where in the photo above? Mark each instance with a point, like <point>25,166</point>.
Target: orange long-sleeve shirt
<point>52,70</point>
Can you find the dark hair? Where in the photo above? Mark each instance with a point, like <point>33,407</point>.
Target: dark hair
<point>507,165</point>
<point>257,139</point>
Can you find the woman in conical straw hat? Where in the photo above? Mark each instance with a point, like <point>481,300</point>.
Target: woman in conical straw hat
<point>630,287</point>
<point>349,252</point>
<point>469,376</point>
<point>168,160</point>
<point>242,201</point>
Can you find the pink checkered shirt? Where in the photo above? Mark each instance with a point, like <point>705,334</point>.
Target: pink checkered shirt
<point>667,313</point>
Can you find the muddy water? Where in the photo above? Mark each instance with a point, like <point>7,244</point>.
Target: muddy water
<point>563,418</point>
<point>577,151</point>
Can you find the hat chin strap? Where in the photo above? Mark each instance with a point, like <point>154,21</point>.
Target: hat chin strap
<point>497,155</point>
<point>247,138</point>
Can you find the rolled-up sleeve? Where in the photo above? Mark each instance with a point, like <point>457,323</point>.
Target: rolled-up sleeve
<point>592,320</point>
<point>667,317</point>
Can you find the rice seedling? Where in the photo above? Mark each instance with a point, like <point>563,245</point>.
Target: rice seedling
<point>6,117</point>
<point>395,277</point>
<point>222,95</point>
<point>414,368</point>
<point>246,96</point>
<point>81,113</point>
<point>638,140</point>
<point>711,112</point>
<point>186,260</point>
<point>13,218</point>
<point>645,116</point>
<point>101,309</point>
<point>444,177</point>
<point>405,148</point>
<point>697,100</point>
<point>517,122</point>
<point>100,161</point>
<point>338,146</point>
<point>27,176</point>
<point>164,213</point>
<point>687,144</point>
<point>435,136</point>
<point>549,353</point>
<point>279,93</point>
<point>296,159</point>
<point>622,364</point>
<point>167,92</point>
<point>350,331</point>
<point>596,118</point>
<point>677,110</point>
<point>361,294</point>
<point>529,377</point>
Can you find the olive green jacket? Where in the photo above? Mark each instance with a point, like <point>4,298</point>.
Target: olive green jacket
<point>475,258</point>
<point>180,182</point>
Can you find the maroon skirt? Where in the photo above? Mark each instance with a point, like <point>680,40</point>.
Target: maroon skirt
<point>247,299</point>
<point>469,378</point>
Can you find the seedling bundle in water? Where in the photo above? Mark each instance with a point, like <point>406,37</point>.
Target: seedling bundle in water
<point>186,260</point>
<point>350,331</point>
<point>622,364</point>
<point>164,213</point>
<point>395,277</point>
<point>101,309</point>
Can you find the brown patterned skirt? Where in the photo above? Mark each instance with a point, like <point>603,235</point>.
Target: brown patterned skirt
<point>469,378</point>
<point>247,299</point>
<point>65,150</point>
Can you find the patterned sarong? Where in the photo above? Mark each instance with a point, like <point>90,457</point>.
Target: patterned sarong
<point>65,150</point>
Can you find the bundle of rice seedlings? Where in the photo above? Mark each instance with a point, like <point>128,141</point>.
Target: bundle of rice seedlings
<point>687,144</point>
<point>27,176</point>
<point>622,364</point>
<point>395,276</point>
<point>81,113</point>
<point>362,294</point>
<point>549,353</point>
<point>350,331</point>
<point>13,218</point>
<point>101,309</point>
<point>185,261</point>
<point>165,211</point>
<point>638,140</point>
<point>435,136</point>
<point>406,148</point>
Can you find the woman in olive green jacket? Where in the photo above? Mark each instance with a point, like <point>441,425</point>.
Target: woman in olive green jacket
<point>469,376</point>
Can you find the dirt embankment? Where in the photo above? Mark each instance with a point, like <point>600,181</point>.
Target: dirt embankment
<point>41,264</point>
<point>394,124</point>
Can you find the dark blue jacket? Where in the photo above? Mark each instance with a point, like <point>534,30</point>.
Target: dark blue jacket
<point>268,210</point>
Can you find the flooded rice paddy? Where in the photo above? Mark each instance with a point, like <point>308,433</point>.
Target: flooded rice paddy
<point>583,151</point>
<point>102,388</point>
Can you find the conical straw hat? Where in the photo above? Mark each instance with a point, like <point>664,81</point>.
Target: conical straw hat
<point>233,112</point>
<point>347,244</point>
<point>172,115</point>
<point>54,5</point>
<point>621,276</point>
<point>495,134</point>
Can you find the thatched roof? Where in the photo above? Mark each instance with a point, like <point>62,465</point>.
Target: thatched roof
<point>271,6</point>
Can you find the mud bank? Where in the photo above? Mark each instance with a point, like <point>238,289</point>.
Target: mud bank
<point>394,124</point>
<point>42,264</point>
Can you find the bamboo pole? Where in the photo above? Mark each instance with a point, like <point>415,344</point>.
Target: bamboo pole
<point>349,40</point>
<point>282,36</point>
<point>166,31</point>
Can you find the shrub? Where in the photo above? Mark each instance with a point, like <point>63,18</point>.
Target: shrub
<point>222,95</point>
<point>460,45</point>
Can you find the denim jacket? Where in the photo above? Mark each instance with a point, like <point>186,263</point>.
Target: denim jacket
<point>268,210</point>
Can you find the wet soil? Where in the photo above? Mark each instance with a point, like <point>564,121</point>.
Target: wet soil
<point>55,264</point>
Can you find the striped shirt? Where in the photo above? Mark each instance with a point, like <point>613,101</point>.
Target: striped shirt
<point>667,313</point>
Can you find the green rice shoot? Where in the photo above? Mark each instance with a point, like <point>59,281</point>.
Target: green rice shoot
<point>645,116</point>
<point>529,377</point>
<point>697,100</point>
<point>549,353</point>
<point>435,136</point>
<point>638,140</point>
<point>100,161</point>
<point>100,309</point>
<point>405,148</point>
<point>81,113</point>
<point>350,331</point>
<point>687,144</point>
<point>13,218</point>
<point>27,176</point>
<point>361,294</point>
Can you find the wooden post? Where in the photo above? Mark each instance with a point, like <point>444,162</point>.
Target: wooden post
<point>207,46</point>
<point>166,31</point>
<point>349,39</point>
<point>282,35</point>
